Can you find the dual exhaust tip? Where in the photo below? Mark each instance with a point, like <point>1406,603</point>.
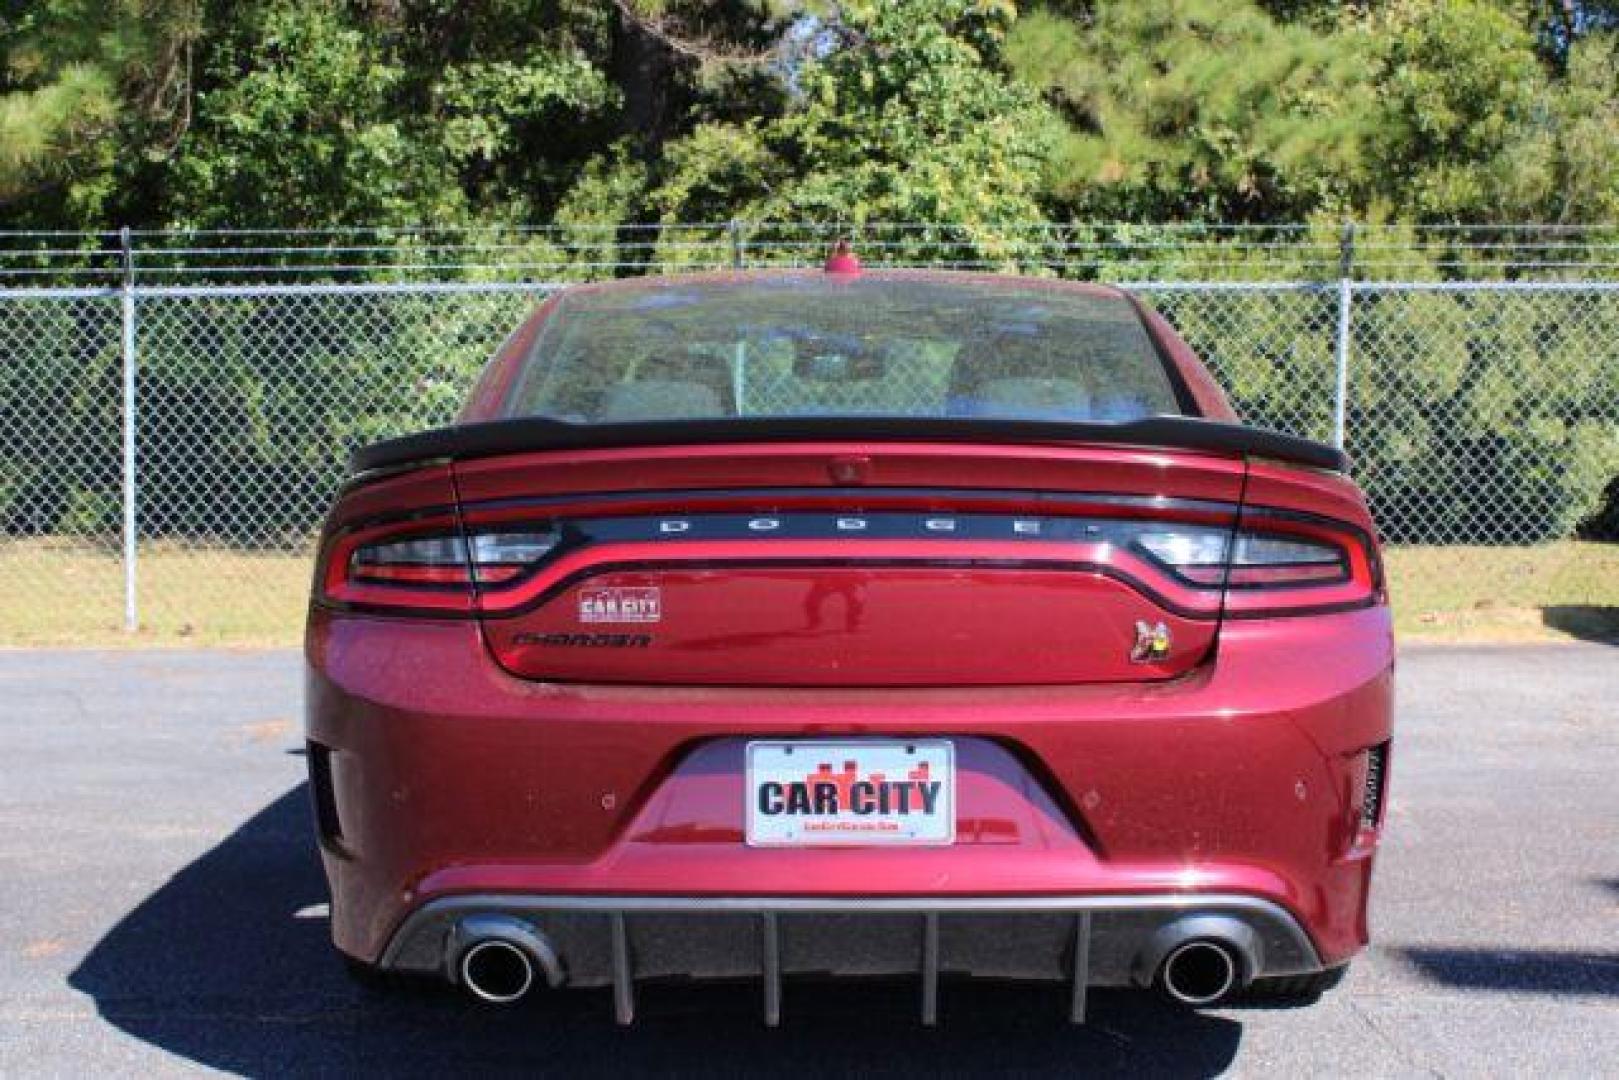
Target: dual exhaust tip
<point>496,971</point>
<point>499,959</point>
<point>1200,973</point>
<point>1200,960</point>
<point>1204,959</point>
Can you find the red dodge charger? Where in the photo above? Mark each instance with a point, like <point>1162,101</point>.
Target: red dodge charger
<point>884,623</point>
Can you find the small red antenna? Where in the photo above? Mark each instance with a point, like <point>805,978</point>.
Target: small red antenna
<point>842,260</point>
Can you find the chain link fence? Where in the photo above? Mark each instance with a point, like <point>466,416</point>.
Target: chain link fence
<point>167,452</point>
<point>1475,413</point>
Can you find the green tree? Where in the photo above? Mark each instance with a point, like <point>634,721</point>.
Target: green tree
<point>315,114</point>
<point>898,112</point>
<point>1461,134</point>
<point>93,94</point>
<point>1195,109</point>
<point>1399,110</point>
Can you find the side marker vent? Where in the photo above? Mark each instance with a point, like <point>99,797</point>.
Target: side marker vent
<point>324,795</point>
<point>1371,804</point>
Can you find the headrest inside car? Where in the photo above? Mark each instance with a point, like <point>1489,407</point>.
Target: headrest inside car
<point>1031,396</point>
<point>658,399</point>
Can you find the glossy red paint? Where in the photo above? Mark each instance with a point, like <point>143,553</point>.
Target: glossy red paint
<point>696,470</point>
<point>1211,400</point>
<point>498,375</point>
<point>1069,620</point>
<point>880,625</point>
<point>467,757</point>
<point>452,776</point>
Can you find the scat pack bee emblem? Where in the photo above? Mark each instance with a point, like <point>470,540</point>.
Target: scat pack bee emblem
<point>1152,643</point>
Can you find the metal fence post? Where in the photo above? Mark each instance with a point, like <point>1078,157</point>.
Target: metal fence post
<point>738,251</point>
<point>1346,289</point>
<point>131,605</point>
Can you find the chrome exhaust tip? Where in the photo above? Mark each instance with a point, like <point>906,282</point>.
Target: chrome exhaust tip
<point>1199,973</point>
<point>498,959</point>
<point>1200,958</point>
<point>496,971</point>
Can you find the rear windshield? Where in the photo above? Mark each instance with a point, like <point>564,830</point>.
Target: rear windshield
<point>814,345</point>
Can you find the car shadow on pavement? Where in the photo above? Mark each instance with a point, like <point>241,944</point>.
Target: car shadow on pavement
<point>1587,622</point>
<point>1541,971</point>
<point>228,965</point>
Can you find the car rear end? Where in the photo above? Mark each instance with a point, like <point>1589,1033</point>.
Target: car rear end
<point>884,624</point>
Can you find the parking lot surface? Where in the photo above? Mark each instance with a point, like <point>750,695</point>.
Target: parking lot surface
<point>161,909</point>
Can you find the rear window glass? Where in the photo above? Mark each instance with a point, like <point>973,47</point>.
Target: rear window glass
<point>813,345</point>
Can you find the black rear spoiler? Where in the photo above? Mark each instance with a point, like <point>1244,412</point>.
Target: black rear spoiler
<point>488,438</point>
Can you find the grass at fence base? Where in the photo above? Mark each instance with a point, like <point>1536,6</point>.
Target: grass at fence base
<point>58,594</point>
<point>1552,592</point>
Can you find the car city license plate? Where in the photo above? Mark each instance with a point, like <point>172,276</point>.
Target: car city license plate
<point>850,793</point>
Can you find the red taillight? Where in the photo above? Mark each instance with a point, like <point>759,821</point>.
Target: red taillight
<point>436,571</point>
<point>1270,577</point>
<point>1270,562</point>
<point>422,560</point>
<point>1273,564</point>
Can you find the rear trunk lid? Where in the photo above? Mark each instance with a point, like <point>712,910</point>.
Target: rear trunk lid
<point>858,564</point>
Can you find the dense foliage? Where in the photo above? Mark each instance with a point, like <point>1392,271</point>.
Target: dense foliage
<point>304,113</point>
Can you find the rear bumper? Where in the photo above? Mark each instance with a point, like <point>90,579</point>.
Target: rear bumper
<point>995,936</point>
<point>1234,790</point>
<point>1083,941</point>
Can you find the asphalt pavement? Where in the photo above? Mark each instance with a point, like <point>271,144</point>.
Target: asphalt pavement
<point>162,911</point>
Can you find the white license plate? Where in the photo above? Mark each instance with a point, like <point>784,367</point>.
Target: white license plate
<point>852,793</point>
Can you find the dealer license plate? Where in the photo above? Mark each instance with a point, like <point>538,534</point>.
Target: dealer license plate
<point>853,792</point>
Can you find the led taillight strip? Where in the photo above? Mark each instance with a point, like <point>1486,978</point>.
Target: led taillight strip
<point>937,536</point>
<point>432,589</point>
<point>1356,583</point>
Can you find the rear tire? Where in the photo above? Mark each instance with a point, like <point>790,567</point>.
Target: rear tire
<point>1296,989</point>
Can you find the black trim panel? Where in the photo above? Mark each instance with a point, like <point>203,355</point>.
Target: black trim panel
<point>529,434</point>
